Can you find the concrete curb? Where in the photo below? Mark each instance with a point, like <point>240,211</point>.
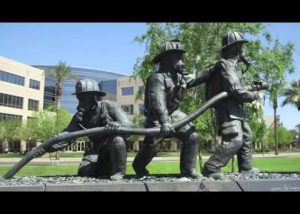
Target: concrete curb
<point>193,186</point>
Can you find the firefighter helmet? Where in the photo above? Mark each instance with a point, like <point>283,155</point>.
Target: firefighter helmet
<point>88,85</point>
<point>170,46</point>
<point>232,37</point>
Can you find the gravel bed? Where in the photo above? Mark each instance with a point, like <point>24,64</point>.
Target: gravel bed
<point>35,180</point>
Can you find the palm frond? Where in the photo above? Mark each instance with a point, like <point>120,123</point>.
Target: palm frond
<point>292,94</point>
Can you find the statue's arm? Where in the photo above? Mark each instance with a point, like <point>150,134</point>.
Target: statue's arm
<point>232,84</point>
<point>201,77</point>
<point>157,97</point>
<point>118,114</point>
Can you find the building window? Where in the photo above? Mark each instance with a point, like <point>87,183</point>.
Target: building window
<point>11,101</point>
<point>5,117</point>
<point>33,105</point>
<point>128,109</point>
<point>34,84</point>
<point>127,91</point>
<point>141,108</point>
<point>49,91</point>
<point>11,78</point>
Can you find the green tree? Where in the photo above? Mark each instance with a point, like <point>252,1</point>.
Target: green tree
<point>45,124</point>
<point>2,130</point>
<point>292,94</point>
<point>285,136</point>
<point>277,62</point>
<point>257,124</point>
<point>10,131</point>
<point>202,40</point>
<point>138,121</point>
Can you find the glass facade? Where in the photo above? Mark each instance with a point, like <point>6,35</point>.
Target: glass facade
<point>11,78</point>
<point>69,101</point>
<point>109,86</point>
<point>128,109</point>
<point>5,117</point>
<point>49,92</point>
<point>34,84</point>
<point>33,105</point>
<point>11,101</point>
<point>127,91</point>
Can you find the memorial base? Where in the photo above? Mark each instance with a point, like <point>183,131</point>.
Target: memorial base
<point>155,183</point>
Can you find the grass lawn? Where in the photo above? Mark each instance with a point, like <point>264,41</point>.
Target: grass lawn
<point>265,164</point>
<point>80,154</point>
<point>274,164</point>
<point>129,154</point>
<point>11,155</point>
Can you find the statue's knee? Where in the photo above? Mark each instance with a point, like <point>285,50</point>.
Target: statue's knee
<point>118,141</point>
<point>237,143</point>
<point>195,136</point>
<point>231,129</point>
<point>231,145</point>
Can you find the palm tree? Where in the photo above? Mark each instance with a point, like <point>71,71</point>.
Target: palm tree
<point>298,127</point>
<point>292,94</point>
<point>61,72</point>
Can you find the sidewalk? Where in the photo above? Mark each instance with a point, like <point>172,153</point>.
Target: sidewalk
<point>11,161</point>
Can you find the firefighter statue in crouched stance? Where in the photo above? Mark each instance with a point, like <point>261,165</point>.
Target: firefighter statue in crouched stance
<point>107,155</point>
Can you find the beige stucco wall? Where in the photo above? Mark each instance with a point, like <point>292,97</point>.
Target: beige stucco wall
<point>28,72</point>
<point>129,99</point>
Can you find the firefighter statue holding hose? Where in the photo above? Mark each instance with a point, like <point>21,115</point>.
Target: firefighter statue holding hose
<point>107,155</point>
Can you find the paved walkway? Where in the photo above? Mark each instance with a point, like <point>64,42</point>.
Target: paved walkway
<point>11,161</point>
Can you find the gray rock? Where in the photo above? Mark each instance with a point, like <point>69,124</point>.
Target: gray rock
<point>34,180</point>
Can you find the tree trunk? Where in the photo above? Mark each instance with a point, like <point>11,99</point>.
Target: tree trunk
<point>136,146</point>
<point>5,146</point>
<point>56,156</point>
<point>262,148</point>
<point>58,95</point>
<point>23,145</point>
<point>57,103</point>
<point>173,147</point>
<point>275,125</point>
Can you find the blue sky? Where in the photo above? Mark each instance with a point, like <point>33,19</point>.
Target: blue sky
<point>109,46</point>
<point>286,32</point>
